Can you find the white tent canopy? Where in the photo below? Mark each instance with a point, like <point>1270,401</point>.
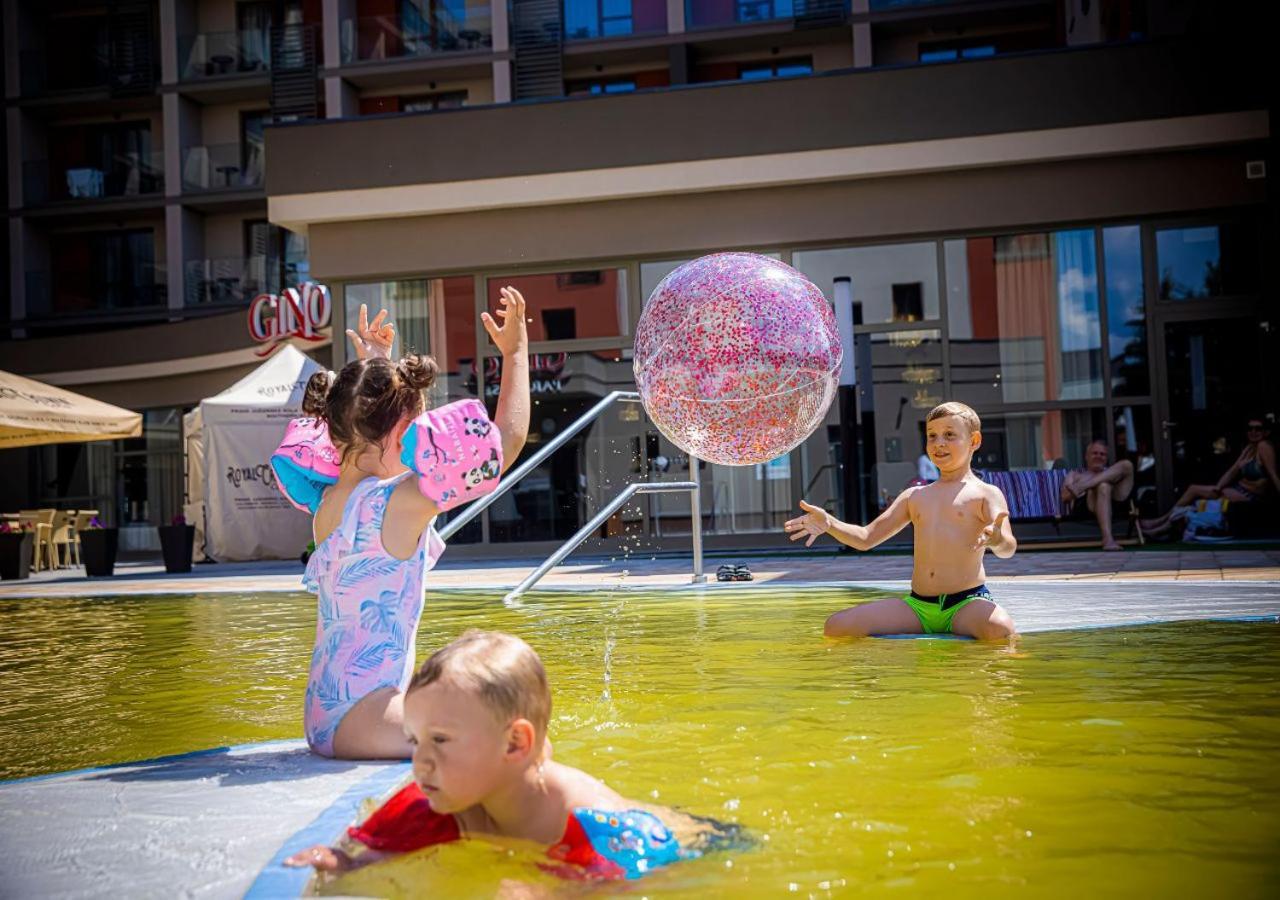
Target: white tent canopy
<point>231,489</point>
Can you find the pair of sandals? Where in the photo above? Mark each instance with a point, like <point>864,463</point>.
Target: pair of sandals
<point>733,573</point>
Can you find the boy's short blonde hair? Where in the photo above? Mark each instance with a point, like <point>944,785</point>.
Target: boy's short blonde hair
<point>501,670</point>
<point>962,412</point>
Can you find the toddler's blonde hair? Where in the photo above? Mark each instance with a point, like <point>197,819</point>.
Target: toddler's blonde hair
<point>503,672</point>
<point>962,412</point>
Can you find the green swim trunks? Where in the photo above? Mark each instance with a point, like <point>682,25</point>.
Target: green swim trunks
<point>935,613</point>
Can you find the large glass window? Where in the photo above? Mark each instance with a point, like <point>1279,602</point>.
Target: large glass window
<point>905,371</point>
<point>1024,318</point>
<point>1206,261</point>
<point>891,283</point>
<point>435,316</point>
<point>1126,311</point>
<point>566,306</point>
<point>1053,439</point>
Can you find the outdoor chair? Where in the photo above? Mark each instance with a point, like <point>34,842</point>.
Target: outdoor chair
<point>60,538</point>
<point>83,518</point>
<point>40,521</point>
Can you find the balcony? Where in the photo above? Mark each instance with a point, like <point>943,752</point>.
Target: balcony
<point>126,175</point>
<point>222,167</point>
<point>84,70</point>
<point>588,20</point>
<point>66,300</point>
<point>225,282</point>
<point>389,37</point>
<point>222,54</point>
<point>703,14</point>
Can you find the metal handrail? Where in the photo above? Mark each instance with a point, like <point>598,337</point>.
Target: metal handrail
<point>534,461</point>
<point>668,487</point>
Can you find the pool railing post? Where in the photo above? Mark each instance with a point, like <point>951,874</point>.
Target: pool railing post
<point>695,502</point>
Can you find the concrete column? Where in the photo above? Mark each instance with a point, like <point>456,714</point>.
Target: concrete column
<point>174,253</point>
<point>13,153</point>
<point>17,274</point>
<point>500,26</point>
<point>340,99</point>
<point>501,81</point>
<point>862,54</point>
<point>12,49</point>
<point>168,42</point>
<point>675,16</point>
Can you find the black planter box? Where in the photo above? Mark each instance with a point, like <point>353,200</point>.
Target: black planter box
<point>177,543</point>
<point>98,550</point>
<point>15,554</point>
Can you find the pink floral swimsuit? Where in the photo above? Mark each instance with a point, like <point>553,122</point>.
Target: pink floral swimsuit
<point>369,606</point>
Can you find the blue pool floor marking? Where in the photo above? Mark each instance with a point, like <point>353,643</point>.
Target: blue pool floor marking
<point>278,880</point>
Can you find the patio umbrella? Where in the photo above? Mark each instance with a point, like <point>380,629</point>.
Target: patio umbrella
<point>34,413</point>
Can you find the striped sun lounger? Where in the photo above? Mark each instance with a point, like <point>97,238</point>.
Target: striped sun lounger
<point>1031,493</point>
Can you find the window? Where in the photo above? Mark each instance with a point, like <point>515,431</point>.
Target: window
<point>621,85</point>
<point>1054,439</point>
<point>1126,311</point>
<point>278,254</point>
<point>1206,261</point>
<point>891,283</point>
<point>945,54</point>
<point>1024,318</point>
<point>430,102</point>
<point>777,69</point>
<point>585,19</point>
<point>253,146</point>
<point>593,303</point>
<point>435,316</point>
<point>102,271</point>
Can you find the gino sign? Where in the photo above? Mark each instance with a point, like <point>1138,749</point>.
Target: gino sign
<point>300,312</point>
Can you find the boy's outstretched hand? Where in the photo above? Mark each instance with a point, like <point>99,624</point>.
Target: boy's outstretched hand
<point>990,533</point>
<point>372,339</point>
<point>815,523</point>
<point>325,859</point>
<point>513,335</point>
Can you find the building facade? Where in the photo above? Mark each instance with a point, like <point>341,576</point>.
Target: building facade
<point>1057,212</point>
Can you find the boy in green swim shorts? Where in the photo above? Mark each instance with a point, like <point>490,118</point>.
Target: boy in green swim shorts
<point>956,519</point>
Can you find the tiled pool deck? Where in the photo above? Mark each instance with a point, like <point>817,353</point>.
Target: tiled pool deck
<point>1192,564</point>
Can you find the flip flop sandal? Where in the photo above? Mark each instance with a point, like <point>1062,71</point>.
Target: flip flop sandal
<point>726,573</point>
<point>742,573</point>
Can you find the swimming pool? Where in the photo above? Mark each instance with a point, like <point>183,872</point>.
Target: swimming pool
<point>1103,762</point>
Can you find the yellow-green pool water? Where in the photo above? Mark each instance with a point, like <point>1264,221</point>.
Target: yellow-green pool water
<point>1126,762</point>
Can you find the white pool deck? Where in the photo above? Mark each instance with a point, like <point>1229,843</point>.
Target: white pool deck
<point>217,823</point>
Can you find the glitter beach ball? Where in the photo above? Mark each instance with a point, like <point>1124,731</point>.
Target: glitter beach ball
<point>737,358</point>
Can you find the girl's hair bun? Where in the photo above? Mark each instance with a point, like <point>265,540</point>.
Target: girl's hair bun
<point>313,399</point>
<point>417,372</point>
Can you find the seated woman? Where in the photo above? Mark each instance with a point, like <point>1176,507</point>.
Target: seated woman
<point>1244,482</point>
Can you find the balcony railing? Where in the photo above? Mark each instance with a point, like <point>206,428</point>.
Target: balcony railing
<point>217,54</point>
<point>225,282</point>
<point>723,13</point>
<point>398,36</point>
<point>126,175</point>
<point>76,70</point>
<point>586,20</point>
<point>63,298</point>
<point>222,167</point>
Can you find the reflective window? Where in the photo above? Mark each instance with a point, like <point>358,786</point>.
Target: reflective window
<point>891,283</point>
<point>1126,311</point>
<point>1055,439</point>
<point>435,316</point>
<point>905,369</point>
<point>565,306</point>
<point>1024,318</point>
<point>1206,261</point>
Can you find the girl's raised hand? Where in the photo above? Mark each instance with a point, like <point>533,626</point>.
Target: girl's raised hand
<point>372,339</point>
<point>513,335</point>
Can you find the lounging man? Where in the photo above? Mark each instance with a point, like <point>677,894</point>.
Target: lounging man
<point>956,519</point>
<point>476,716</point>
<point>1097,486</point>
<point>1248,480</point>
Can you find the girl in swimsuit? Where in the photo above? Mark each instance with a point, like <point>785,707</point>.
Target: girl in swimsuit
<point>373,522</point>
<point>1247,480</point>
